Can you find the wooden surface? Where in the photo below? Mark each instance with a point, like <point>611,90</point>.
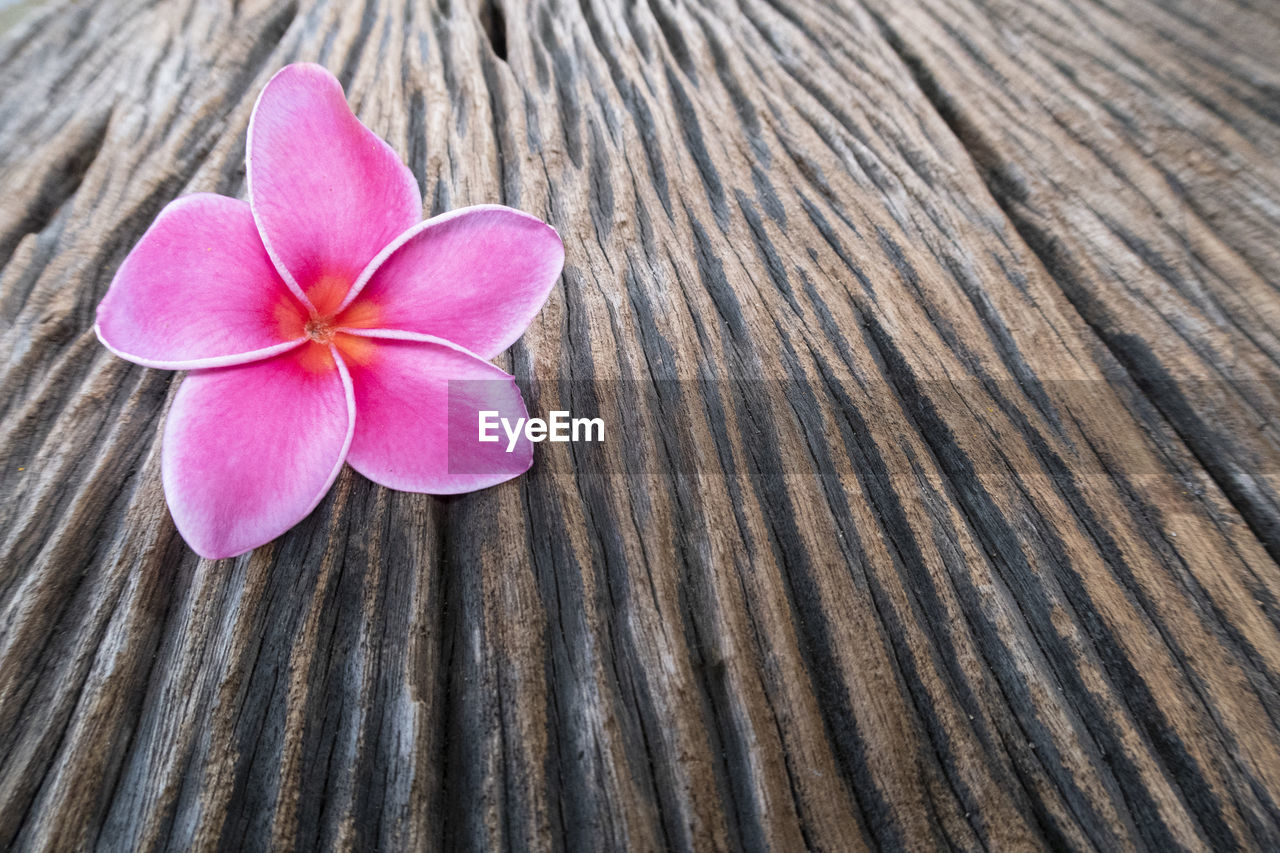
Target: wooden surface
<point>940,504</point>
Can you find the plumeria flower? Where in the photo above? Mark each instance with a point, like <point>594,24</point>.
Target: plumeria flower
<point>323,322</point>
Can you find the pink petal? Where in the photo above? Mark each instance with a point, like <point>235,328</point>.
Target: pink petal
<point>199,291</point>
<point>418,402</point>
<point>327,193</point>
<point>250,450</point>
<point>475,276</point>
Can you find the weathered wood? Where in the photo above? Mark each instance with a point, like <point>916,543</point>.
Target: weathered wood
<point>1141,163</point>
<point>939,505</point>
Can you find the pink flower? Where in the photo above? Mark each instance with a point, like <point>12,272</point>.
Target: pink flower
<point>322,322</point>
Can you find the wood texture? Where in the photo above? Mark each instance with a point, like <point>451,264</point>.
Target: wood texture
<point>940,504</point>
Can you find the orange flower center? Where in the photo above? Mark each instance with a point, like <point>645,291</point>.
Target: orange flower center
<point>325,325</point>
<point>320,329</point>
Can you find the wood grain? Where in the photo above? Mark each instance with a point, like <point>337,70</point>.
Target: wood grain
<point>939,505</point>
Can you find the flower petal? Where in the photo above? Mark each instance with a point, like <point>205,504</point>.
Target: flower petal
<point>418,401</point>
<point>250,450</point>
<point>476,276</point>
<point>327,193</point>
<point>199,291</point>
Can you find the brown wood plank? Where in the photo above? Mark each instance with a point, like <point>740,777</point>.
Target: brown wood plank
<point>890,545</point>
<point>1135,149</point>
